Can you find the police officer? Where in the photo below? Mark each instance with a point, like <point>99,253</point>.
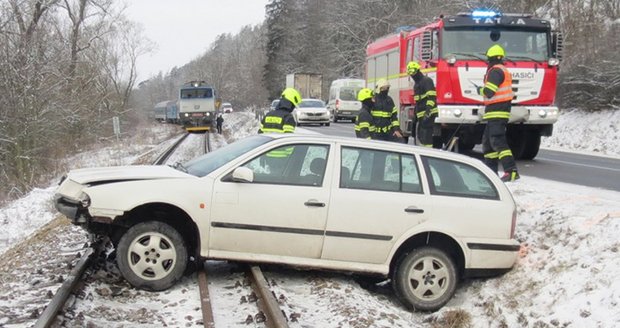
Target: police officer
<point>364,126</point>
<point>385,114</point>
<point>425,96</point>
<point>497,94</point>
<point>280,120</point>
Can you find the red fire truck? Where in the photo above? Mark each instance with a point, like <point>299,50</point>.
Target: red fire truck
<point>452,51</point>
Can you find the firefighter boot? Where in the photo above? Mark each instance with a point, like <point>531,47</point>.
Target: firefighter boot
<point>510,176</point>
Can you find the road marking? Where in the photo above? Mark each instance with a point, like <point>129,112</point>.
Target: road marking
<point>584,165</point>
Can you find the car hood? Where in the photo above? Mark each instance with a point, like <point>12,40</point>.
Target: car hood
<point>125,173</point>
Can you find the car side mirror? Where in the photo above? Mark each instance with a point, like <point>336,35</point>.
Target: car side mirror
<point>243,174</point>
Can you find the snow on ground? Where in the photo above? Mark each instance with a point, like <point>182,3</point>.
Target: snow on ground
<point>566,277</point>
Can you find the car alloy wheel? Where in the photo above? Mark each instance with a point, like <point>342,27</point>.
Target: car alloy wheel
<point>425,279</point>
<point>152,255</point>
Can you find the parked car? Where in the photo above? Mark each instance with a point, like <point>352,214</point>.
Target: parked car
<point>227,107</point>
<point>423,218</point>
<point>311,111</point>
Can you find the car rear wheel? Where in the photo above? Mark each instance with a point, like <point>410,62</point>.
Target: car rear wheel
<point>425,279</point>
<point>152,255</point>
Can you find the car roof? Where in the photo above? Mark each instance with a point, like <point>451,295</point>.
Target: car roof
<point>377,144</point>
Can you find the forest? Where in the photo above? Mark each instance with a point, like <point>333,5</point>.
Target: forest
<point>69,66</point>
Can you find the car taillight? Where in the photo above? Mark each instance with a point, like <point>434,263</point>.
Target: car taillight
<point>513,224</point>
<point>337,103</point>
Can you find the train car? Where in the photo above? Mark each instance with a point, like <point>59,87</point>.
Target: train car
<point>159,112</point>
<point>166,111</point>
<point>197,106</point>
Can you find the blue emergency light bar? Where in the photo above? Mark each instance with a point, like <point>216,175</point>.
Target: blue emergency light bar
<point>484,13</point>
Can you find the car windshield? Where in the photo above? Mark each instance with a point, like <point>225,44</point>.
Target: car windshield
<point>311,103</point>
<point>211,161</point>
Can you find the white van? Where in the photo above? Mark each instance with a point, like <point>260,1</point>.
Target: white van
<point>343,102</point>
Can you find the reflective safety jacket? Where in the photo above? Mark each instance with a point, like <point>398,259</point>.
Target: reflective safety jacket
<point>425,96</point>
<point>497,92</point>
<point>385,115</point>
<point>364,126</point>
<point>277,121</point>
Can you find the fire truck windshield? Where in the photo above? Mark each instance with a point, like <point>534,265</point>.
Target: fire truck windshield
<point>519,45</point>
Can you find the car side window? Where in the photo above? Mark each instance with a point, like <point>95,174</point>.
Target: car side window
<point>451,178</point>
<point>379,170</point>
<point>302,165</point>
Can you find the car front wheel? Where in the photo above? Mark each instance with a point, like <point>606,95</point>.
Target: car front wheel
<point>152,256</point>
<point>425,279</point>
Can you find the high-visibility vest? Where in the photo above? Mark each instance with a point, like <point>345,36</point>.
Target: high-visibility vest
<point>503,91</point>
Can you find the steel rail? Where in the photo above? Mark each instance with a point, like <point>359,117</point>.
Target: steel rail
<point>267,302</point>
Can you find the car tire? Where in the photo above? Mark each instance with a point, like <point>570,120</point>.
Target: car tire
<point>152,256</point>
<point>326,124</point>
<point>425,279</point>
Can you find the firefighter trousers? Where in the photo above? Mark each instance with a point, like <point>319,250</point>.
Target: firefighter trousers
<point>495,146</point>
<point>429,133</point>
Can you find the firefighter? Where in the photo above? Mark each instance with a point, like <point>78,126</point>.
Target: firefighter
<point>497,94</point>
<point>385,114</point>
<point>425,96</point>
<point>364,126</point>
<point>280,120</point>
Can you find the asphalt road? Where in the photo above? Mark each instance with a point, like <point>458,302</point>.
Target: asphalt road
<point>568,167</point>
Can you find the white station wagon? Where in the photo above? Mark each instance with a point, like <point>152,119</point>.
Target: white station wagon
<point>421,217</point>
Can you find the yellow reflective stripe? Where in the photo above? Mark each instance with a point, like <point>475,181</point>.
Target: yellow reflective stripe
<point>379,113</point>
<point>395,123</point>
<point>268,130</point>
<point>427,145</point>
<point>491,86</point>
<point>273,119</point>
<point>492,155</point>
<point>416,97</point>
<point>288,128</point>
<point>505,153</point>
<point>430,93</point>
<point>497,114</point>
<point>434,111</point>
<point>430,103</point>
<point>420,115</point>
<point>364,125</point>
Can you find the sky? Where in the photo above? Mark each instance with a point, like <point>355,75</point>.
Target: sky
<point>566,275</point>
<point>184,29</point>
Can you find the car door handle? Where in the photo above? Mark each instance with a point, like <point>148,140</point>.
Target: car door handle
<point>413,209</point>
<point>314,203</point>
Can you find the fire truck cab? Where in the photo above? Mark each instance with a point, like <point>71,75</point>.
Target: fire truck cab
<point>452,51</point>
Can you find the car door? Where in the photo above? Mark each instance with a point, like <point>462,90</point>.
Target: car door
<point>379,196</point>
<point>282,212</point>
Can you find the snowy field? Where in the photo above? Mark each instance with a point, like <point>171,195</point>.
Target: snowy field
<point>567,275</point>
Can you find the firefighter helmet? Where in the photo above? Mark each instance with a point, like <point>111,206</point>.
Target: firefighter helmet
<point>364,94</point>
<point>413,67</point>
<point>382,84</point>
<point>495,51</point>
<point>292,95</point>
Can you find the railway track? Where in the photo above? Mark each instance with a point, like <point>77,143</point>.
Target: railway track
<point>268,309</point>
<point>97,246</point>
